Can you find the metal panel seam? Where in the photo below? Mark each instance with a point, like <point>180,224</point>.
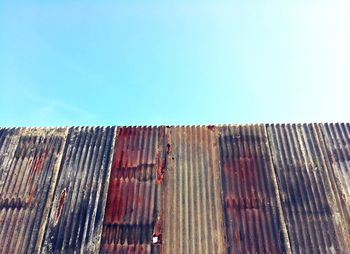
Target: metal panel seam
<point>105,190</point>
<point>277,193</point>
<point>217,134</point>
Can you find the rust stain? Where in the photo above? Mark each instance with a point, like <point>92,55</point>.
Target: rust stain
<point>42,158</point>
<point>160,168</point>
<point>31,196</point>
<point>157,231</point>
<point>168,149</point>
<point>137,169</point>
<point>36,166</point>
<point>60,204</point>
<point>211,127</point>
<point>33,169</point>
<point>344,197</point>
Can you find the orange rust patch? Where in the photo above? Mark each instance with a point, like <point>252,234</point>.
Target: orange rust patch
<point>32,171</point>
<point>41,161</point>
<point>344,197</point>
<point>31,196</point>
<point>160,169</point>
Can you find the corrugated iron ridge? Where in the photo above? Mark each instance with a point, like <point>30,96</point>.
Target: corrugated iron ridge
<point>336,146</point>
<point>33,163</point>
<point>133,207</point>
<point>274,178</point>
<point>192,195</point>
<point>306,188</point>
<point>253,216</point>
<point>77,205</point>
<point>316,141</point>
<point>337,138</point>
<point>170,125</point>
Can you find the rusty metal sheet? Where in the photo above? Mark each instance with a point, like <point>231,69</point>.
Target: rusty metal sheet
<point>175,189</point>
<point>133,218</point>
<point>193,221</point>
<point>312,206</point>
<point>77,209</point>
<point>254,223</point>
<point>29,160</point>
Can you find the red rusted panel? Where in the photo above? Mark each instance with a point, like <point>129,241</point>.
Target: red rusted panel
<point>252,221</point>
<point>28,166</point>
<point>133,204</point>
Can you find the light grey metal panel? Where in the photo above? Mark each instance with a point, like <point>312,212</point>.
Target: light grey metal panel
<point>29,163</point>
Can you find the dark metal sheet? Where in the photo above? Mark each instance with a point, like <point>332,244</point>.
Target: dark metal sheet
<point>337,137</point>
<point>133,211</point>
<point>254,224</point>
<point>29,160</point>
<point>77,210</point>
<point>311,205</point>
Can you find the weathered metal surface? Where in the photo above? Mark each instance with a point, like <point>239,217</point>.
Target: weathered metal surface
<point>337,140</point>
<point>314,215</point>
<point>76,214</point>
<point>132,222</point>
<point>177,189</point>
<point>254,224</point>
<point>29,160</point>
<point>337,137</point>
<point>193,220</point>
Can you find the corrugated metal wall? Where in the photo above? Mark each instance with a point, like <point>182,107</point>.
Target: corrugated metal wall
<point>176,189</point>
<point>76,214</point>
<point>311,196</point>
<point>253,222</point>
<point>193,219</point>
<point>133,203</point>
<point>29,161</point>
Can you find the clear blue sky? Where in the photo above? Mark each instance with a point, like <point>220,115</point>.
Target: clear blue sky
<point>149,62</point>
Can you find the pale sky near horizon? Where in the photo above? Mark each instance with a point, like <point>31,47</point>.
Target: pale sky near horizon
<point>156,62</point>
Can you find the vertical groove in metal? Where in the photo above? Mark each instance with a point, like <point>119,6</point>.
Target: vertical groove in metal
<point>27,164</point>
<point>266,188</point>
<point>76,213</point>
<point>337,148</point>
<point>193,220</point>
<point>308,189</point>
<point>133,211</point>
<point>250,202</point>
<point>337,138</point>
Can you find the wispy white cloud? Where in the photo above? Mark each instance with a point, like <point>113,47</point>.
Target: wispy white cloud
<point>49,107</point>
